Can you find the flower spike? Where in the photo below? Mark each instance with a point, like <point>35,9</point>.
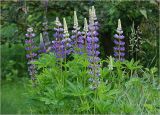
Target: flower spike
<point>65,26</point>
<point>92,50</point>
<point>94,13</point>
<point>75,20</point>
<point>85,29</point>
<point>31,55</point>
<point>77,38</point>
<point>66,41</point>
<point>119,49</point>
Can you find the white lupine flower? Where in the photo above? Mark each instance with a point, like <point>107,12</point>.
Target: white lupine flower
<point>91,19</point>
<point>90,14</point>
<point>57,22</point>
<point>110,66</point>
<point>94,13</point>
<point>85,29</point>
<point>75,21</point>
<point>119,29</point>
<point>119,25</point>
<point>65,27</point>
<point>41,38</point>
<point>30,30</point>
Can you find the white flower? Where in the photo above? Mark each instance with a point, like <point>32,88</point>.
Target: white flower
<point>94,13</point>
<point>75,21</point>
<point>110,66</point>
<point>91,20</point>
<point>119,29</point>
<point>65,27</point>
<point>30,29</point>
<point>85,29</point>
<point>57,22</point>
<point>41,38</point>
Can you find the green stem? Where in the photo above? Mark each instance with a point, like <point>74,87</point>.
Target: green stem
<point>96,97</point>
<point>131,73</point>
<point>119,48</point>
<point>62,79</point>
<point>153,80</point>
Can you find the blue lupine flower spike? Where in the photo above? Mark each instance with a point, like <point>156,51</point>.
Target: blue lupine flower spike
<point>119,49</point>
<point>31,55</point>
<point>92,50</point>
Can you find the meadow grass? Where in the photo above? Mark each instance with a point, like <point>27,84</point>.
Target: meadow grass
<point>13,100</point>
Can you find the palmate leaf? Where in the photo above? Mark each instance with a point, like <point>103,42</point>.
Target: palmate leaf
<point>102,90</point>
<point>113,92</point>
<point>153,70</point>
<point>46,60</point>
<point>133,82</point>
<point>48,101</point>
<point>103,106</point>
<point>77,90</point>
<point>85,106</point>
<point>105,92</point>
<point>144,13</point>
<point>104,72</point>
<point>131,65</point>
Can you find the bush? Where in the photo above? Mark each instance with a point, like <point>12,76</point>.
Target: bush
<point>125,87</point>
<point>13,61</point>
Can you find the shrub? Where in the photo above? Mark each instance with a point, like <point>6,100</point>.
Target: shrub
<point>124,87</point>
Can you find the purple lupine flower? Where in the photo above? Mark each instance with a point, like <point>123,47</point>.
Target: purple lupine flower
<point>30,47</point>
<point>77,38</point>
<point>118,42</point>
<point>30,53</point>
<point>58,44</point>
<point>92,49</point>
<point>119,49</point>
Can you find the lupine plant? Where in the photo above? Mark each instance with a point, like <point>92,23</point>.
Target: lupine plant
<point>30,46</point>
<point>44,45</point>
<point>92,50</point>
<point>96,24</point>
<point>120,93</point>
<point>119,49</point>
<point>67,41</point>
<point>86,84</point>
<point>45,33</point>
<point>58,45</point>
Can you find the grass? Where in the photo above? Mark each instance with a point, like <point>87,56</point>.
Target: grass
<point>13,100</point>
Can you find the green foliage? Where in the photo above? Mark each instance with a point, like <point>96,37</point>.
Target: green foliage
<point>13,99</point>
<point>65,88</point>
<point>13,62</point>
<point>144,13</point>
<point>8,31</point>
<point>17,15</point>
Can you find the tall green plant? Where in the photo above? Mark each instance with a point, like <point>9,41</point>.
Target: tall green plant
<point>122,88</point>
